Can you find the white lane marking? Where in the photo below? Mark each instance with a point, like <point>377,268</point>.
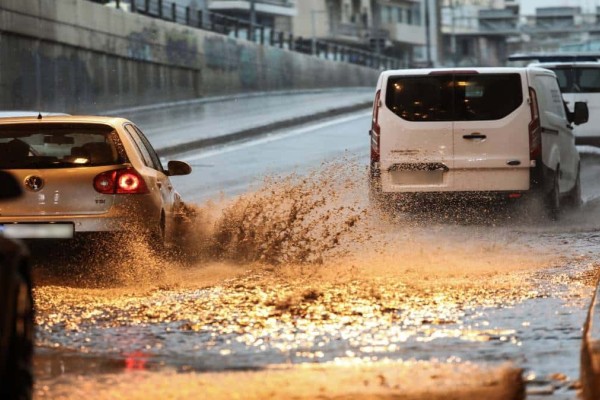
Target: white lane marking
<point>272,138</point>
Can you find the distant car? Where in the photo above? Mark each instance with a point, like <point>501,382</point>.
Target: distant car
<point>16,309</point>
<point>498,132</point>
<point>580,81</point>
<point>87,175</point>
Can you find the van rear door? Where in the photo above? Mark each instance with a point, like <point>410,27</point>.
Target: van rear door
<point>491,136</point>
<point>416,143</point>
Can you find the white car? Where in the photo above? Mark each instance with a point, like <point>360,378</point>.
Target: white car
<point>500,132</point>
<point>580,81</point>
<point>86,175</point>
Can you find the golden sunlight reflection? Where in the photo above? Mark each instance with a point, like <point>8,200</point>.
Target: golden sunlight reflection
<point>298,271</point>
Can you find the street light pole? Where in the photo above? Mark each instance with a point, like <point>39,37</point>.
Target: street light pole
<point>252,19</point>
<point>313,43</point>
<point>453,36</point>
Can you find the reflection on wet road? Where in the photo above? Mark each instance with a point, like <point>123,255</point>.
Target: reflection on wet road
<point>299,270</point>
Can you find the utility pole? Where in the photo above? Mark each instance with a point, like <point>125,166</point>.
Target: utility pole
<point>453,35</point>
<point>427,35</point>
<point>252,20</point>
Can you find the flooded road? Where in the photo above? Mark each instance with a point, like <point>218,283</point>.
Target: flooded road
<point>298,270</point>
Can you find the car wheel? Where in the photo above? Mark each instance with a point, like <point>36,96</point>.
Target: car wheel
<point>19,381</point>
<point>575,195</point>
<point>553,199</point>
<point>157,237</point>
<point>381,202</point>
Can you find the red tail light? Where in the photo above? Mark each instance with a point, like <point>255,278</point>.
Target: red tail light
<point>375,130</point>
<point>120,181</point>
<point>535,129</point>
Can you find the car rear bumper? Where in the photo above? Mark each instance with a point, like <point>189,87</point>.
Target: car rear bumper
<point>57,227</point>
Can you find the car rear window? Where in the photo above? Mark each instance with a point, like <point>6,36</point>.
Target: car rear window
<point>578,79</point>
<point>460,97</point>
<point>53,145</point>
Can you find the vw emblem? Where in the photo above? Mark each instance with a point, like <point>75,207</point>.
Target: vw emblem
<point>34,183</point>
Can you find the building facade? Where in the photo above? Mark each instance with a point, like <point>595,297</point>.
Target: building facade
<point>486,32</point>
<point>401,29</point>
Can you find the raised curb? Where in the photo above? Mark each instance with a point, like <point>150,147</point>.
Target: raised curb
<point>590,351</point>
<point>260,130</point>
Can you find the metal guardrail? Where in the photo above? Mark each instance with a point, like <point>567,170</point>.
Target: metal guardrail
<point>260,34</point>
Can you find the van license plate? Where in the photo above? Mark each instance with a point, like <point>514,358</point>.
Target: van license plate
<point>37,231</point>
<point>417,178</point>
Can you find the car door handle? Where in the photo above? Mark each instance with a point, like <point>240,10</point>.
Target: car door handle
<point>474,136</point>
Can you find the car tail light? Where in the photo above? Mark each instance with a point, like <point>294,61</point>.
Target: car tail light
<point>375,130</point>
<point>120,181</point>
<point>535,128</point>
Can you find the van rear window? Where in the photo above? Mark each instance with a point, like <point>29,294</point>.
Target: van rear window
<point>464,97</point>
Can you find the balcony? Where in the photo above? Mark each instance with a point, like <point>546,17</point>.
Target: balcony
<point>357,33</point>
<point>286,8</point>
<point>405,33</point>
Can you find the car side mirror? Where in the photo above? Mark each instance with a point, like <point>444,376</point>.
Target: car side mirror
<point>581,113</point>
<point>178,168</point>
<point>9,186</point>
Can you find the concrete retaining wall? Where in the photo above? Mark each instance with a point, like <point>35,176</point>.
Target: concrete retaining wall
<point>77,56</point>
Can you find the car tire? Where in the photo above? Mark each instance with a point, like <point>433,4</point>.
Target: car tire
<point>18,382</point>
<point>575,200</point>
<point>553,206</point>
<point>157,237</point>
<point>380,202</point>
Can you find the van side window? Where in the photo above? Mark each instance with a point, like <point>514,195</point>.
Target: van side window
<point>460,97</point>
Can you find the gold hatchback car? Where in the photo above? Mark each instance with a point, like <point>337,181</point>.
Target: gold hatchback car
<point>86,174</point>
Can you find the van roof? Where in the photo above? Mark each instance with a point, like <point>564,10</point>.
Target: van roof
<point>479,70</point>
<point>593,64</point>
<point>555,57</point>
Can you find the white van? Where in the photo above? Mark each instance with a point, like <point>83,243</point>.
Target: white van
<point>580,81</point>
<point>501,132</point>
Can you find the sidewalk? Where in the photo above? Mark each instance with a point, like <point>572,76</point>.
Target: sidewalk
<point>194,124</point>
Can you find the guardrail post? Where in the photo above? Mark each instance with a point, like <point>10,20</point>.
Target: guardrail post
<point>187,16</point>
<point>160,9</point>
<point>118,4</point>
<point>272,37</point>
<point>236,28</point>
<point>174,11</point>
<point>147,6</point>
<point>133,8</point>
<point>262,34</point>
<point>200,19</point>
<point>281,39</point>
<point>291,42</point>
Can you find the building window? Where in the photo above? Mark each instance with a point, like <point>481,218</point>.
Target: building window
<point>416,14</point>
<point>385,14</point>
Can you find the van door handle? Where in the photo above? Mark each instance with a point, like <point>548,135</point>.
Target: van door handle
<point>474,136</point>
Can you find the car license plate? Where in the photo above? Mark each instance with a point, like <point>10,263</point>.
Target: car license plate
<point>37,231</point>
<point>410,178</point>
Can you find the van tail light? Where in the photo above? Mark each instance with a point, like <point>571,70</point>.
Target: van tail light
<point>375,131</point>
<point>535,128</point>
<point>120,181</point>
